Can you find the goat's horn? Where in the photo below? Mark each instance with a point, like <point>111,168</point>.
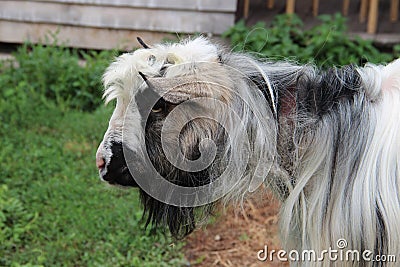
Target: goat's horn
<point>142,43</point>
<point>143,76</point>
<point>146,80</point>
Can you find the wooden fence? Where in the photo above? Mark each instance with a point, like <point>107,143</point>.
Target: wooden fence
<point>103,24</point>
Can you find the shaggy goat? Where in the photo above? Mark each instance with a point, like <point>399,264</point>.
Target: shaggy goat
<point>194,124</point>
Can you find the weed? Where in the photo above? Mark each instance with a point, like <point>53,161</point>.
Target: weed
<point>326,44</point>
<point>52,73</point>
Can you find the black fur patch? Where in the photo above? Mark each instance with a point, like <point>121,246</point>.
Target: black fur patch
<point>117,170</point>
<point>320,94</point>
<point>259,81</point>
<point>180,221</point>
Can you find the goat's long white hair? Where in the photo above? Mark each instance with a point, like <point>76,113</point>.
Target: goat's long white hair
<point>347,172</point>
<point>330,139</point>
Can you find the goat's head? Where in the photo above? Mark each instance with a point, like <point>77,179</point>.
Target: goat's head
<point>187,128</point>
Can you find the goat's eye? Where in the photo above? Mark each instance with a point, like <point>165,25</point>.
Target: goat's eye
<point>151,60</point>
<point>159,106</point>
<point>156,110</point>
<point>162,107</point>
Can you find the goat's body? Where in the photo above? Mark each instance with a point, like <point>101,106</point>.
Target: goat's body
<point>339,159</point>
<point>346,167</point>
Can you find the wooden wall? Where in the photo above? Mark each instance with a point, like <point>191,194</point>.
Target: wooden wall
<point>104,24</point>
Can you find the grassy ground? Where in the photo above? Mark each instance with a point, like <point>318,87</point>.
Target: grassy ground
<point>54,211</point>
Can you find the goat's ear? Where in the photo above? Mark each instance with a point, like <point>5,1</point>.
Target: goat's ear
<point>210,84</point>
<point>175,90</point>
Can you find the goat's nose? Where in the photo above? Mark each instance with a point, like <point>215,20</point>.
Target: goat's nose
<point>100,163</point>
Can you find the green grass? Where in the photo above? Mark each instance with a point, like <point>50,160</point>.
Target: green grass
<point>54,211</point>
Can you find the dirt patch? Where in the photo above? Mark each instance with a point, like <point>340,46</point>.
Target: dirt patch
<point>236,236</point>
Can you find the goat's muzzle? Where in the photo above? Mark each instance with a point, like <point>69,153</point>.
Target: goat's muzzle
<point>116,171</point>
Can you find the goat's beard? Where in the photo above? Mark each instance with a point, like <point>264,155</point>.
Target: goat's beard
<point>180,221</point>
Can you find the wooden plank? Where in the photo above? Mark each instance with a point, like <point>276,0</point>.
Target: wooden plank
<point>345,8</point>
<point>82,37</point>
<point>373,17</point>
<point>246,8</point>
<point>394,10</point>
<point>201,5</point>
<point>315,7</point>
<point>270,4</point>
<point>290,6</point>
<point>116,17</point>
<point>363,10</point>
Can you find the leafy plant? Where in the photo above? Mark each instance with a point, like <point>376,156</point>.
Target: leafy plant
<point>396,50</point>
<point>326,44</point>
<point>52,73</point>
